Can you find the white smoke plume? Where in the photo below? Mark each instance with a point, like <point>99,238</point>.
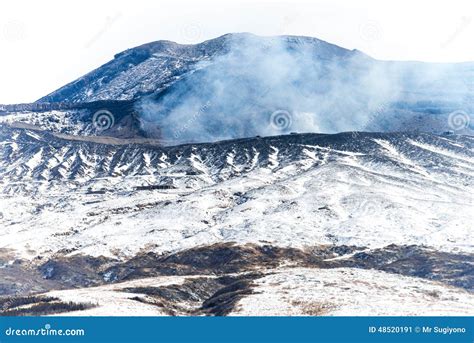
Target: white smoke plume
<point>307,85</point>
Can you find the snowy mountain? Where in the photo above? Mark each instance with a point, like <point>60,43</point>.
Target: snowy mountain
<point>104,210</point>
<point>231,86</point>
<point>152,67</point>
<point>351,188</point>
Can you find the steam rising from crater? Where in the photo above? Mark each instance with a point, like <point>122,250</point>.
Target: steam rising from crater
<point>313,86</point>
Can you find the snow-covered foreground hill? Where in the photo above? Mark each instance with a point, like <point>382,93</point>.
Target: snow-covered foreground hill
<point>298,190</point>
<point>288,292</point>
<point>352,212</point>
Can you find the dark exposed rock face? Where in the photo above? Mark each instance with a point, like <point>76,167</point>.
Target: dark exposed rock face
<point>38,306</point>
<point>75,271</point>
<point>199,296</point>
<point>222,258</point>
<point>222,274</point>
<point>226,298</point>
<point>449,268</point>
<point>227,258</point>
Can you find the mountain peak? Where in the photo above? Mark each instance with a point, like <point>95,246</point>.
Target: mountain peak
<point>147,68</point>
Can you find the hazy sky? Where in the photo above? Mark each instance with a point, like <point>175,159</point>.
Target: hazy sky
<point>46,44</point>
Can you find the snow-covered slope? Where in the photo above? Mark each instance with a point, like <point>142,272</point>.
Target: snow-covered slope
<point>288,292</point>
<point>152,67</point>
<point>326,293</point>
<point>298,190</point>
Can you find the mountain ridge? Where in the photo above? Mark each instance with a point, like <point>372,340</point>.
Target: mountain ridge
<point>143,52</point>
